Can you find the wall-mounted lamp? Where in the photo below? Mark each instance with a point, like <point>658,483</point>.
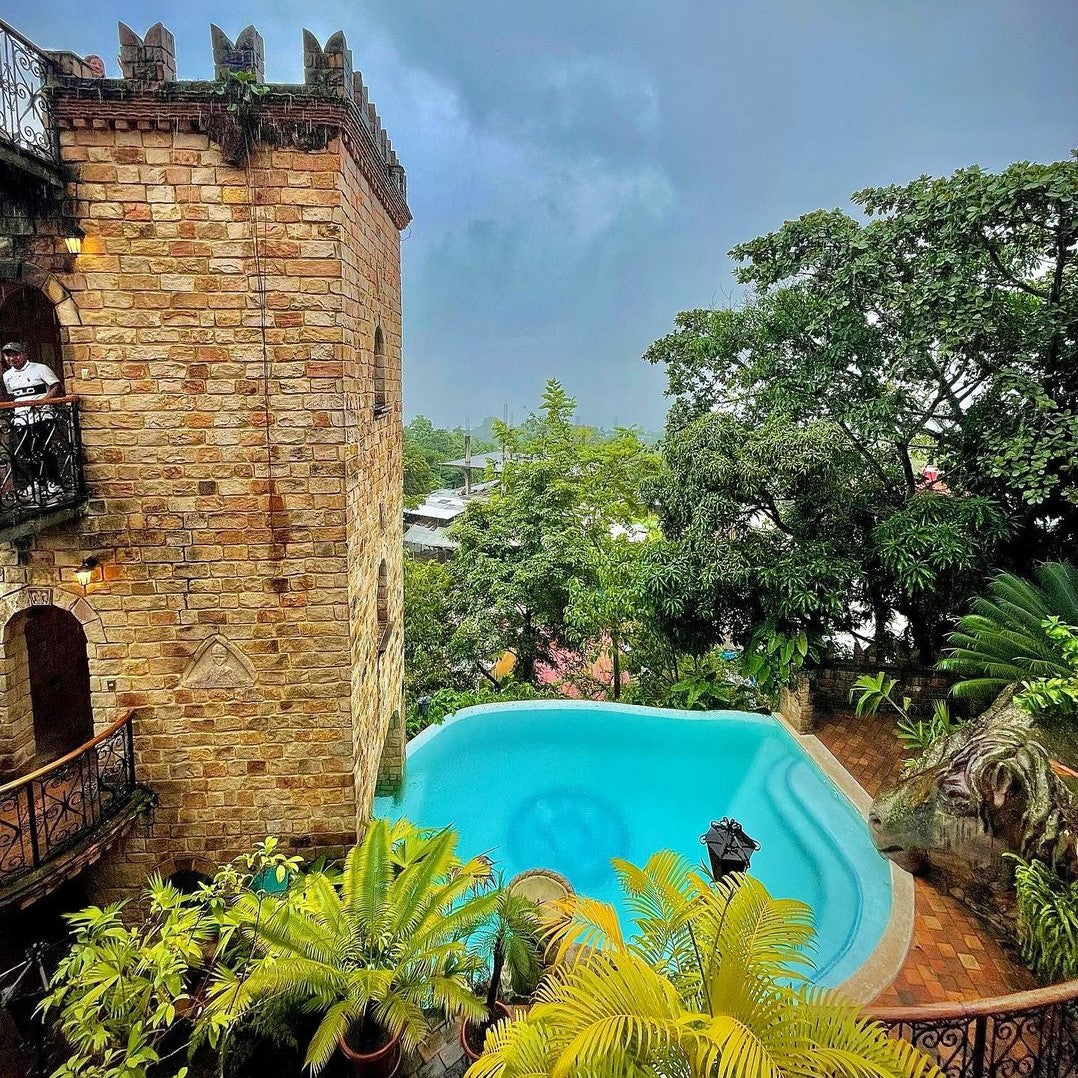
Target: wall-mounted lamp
<point>73,239</point>
<point>85,572</point>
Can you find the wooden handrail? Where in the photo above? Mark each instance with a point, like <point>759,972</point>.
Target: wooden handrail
<point>69,399</point>
<point>91,744</point>
<point>978,1008</point>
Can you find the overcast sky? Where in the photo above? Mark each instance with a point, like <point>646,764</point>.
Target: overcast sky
<point>578,169</point>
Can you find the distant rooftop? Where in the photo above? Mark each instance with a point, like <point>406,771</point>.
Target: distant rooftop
<point>477,462</point>
<point>439,505</point>
<point>418,537</point>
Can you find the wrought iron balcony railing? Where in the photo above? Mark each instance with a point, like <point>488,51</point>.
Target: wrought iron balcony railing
<point>45,814</point>
<point>41,474</point>
<point>25,121</point>
<point>1027,1035</point>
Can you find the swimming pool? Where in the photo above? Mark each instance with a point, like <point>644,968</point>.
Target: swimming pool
<point>569,785</point>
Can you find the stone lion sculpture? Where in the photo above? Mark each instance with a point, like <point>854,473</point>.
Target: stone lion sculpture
<point>986,790</point>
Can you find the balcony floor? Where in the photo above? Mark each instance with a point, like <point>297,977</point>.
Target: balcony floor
<point>29,887</point>
<point>23,526</point>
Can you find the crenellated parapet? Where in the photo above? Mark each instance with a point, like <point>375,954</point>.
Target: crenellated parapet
<point>332,102</point>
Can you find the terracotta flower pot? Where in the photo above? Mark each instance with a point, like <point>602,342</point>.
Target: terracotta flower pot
<point>501,1012</point>
<point>383,1062</point>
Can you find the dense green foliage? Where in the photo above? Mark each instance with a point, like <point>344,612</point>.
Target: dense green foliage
<point>549,523</point>
<point>1054,695</point>
<point>429,661</point>
<point>1003,640</point>
<point>119,990</point>
<point>1047,920</point>
<point>711,985</point>
<point>123,994</point>
<point>565,559</point>
<point>943,329</point>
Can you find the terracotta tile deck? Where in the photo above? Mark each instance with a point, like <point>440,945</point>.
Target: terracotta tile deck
<point>952,956</point>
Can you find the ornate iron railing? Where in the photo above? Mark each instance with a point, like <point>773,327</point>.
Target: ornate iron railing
<point>46,813</point>
<point>25,119</point>
<point>40,459</point>
<point>1026,1035</point>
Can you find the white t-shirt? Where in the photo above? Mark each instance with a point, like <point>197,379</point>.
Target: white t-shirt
<point>29,384</point>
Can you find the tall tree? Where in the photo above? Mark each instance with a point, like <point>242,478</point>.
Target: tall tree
<point>939,329</point>
<point>561,492</point>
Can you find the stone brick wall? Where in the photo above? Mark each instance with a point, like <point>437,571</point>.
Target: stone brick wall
<point>17,742</point>
<point>218,329</point>
<point>831,685</point>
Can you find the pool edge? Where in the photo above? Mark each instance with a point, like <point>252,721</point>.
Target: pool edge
<point>889,955</point>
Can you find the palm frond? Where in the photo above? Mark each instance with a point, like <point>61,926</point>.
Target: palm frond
<point>367,874</point>
<point>331,1029</point>
<point>1002,639</point>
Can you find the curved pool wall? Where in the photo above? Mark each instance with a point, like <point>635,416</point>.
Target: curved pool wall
<point>569,785</point>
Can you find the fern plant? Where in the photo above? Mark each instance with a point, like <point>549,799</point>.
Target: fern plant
<point>712,985</point>
<point>1003,639</point>
<point>1047,920</point>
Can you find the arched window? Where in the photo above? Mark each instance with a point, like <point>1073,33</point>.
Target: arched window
<point>382,607</point>
<point>381,374</point>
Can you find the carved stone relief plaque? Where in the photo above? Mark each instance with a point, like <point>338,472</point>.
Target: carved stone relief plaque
<point>218,664</point>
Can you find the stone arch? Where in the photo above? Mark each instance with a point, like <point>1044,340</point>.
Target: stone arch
<point>391,760</point>
<point>381,373</point>
<point>28,315</point>
<point>35,276</point>
<point>47,703</point>
<point>17,741</point>
<point>72,601</point>
<point>180,870</point>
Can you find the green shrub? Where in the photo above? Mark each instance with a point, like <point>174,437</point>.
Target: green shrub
<point>917,734</point>
<point>125,992</point>
<point>1047,920</point>
<point>872,690</point>
<point>1054,695</point>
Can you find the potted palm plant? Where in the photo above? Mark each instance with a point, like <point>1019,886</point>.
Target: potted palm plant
<point>511,938</point>
<point>375,955</point>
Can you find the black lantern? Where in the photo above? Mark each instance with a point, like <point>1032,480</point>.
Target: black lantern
<point>728,847</point>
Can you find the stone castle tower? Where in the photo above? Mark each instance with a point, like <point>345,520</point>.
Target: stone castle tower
<point>201,563</point>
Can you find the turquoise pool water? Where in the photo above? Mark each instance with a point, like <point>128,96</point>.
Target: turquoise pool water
<point>568,785</point>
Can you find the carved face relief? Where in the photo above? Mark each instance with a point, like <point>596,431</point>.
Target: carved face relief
<point>985,791</point>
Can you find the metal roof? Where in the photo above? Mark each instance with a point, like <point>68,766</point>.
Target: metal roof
<point>431,538</point>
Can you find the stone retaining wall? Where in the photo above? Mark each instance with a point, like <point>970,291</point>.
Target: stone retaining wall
<point>831,685</point>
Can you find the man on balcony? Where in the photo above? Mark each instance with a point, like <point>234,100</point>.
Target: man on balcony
<point>33,428</point>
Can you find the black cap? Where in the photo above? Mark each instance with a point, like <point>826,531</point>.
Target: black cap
<point>13,346</point>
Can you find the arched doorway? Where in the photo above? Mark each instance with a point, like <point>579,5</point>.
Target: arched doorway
<point>48,681</point>
<point>27,315</point>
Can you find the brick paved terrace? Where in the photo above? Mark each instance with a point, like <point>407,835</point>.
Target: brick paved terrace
<point>952,957</point>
